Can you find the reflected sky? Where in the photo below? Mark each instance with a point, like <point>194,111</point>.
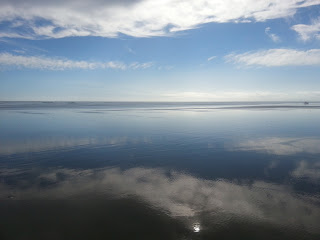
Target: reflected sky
<point>307,170</point>
<point>64,143</point>
<point>198,174</point>
<point>281,146</point>
<point>178,195</point>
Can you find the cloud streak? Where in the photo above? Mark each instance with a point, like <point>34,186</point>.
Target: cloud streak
<point>211,58</point>
<point>144,18</point>
<point>235,95</point>
<point>277,58</point>
<point>58,64</point>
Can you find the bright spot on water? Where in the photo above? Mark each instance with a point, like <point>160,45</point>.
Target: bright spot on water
<point>196,227</point>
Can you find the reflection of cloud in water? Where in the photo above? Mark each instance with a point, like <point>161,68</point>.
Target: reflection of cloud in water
<point>281,146</point>
<point>178,194</point>
<point>64,143</point>
<point>307,170</point>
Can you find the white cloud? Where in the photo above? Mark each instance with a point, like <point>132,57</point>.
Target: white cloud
<point>46,63</point>
<point>274,37</point>
<point>307,32</point>
<point>139,18</point>
<point>277,57</point>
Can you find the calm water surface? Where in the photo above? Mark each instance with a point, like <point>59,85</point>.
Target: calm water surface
<point>159,170</point>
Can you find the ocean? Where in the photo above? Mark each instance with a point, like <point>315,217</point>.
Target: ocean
<point>166,170</point>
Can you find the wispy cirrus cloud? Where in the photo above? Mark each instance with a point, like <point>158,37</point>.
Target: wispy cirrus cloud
<point>211,58</point>
<point>277,57</point>
<point>274,37</point>
<point>46,63</point>
<point>307,32</point>
<point>139,18</point>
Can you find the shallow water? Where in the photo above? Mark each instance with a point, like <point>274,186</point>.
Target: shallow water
<point>159,170</point>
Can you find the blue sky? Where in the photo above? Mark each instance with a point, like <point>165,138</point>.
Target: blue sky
<point>160,50</point>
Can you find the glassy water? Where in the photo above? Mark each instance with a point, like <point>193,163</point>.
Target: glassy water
<point>159,170</point>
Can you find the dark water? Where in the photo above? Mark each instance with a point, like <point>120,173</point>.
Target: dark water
<point>159,170</point>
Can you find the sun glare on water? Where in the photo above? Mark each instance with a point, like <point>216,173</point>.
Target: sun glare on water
<point>196,227</point>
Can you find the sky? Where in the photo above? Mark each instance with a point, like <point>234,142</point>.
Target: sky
<point>160,50</point>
